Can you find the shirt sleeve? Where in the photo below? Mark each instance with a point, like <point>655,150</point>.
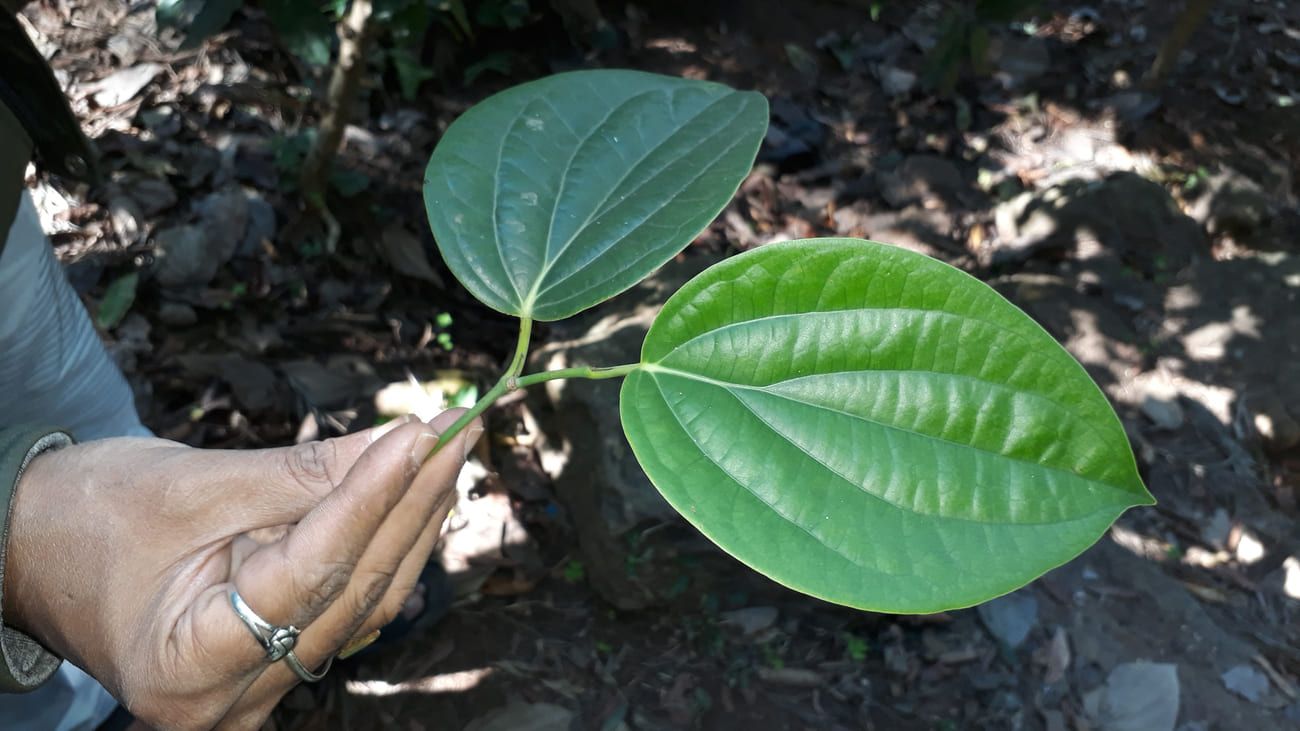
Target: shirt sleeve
<point>24,663</point>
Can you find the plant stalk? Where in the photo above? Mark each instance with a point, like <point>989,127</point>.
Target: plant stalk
<point>590,372</point>
<point>356,33</point>
<point>511,380</point>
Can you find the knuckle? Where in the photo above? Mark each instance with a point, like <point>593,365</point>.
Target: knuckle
<point>372,586</point>
<point>310,465</point>
<point>388,608</point>
<point>319,584</point>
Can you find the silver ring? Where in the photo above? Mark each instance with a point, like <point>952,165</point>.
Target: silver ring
<point>277,641</point>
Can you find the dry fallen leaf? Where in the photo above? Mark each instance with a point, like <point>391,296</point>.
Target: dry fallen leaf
<point>122,86</point>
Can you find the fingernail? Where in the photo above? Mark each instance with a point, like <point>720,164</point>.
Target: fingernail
<point>420,450</point>
<point>471,438</point>
<point>383,429</point>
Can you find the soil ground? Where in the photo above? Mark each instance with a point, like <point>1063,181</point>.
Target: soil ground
<point>1154,232</point>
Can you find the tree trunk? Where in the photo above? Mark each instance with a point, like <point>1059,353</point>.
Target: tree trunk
<point>356,32</point>
<point>1191,19</point>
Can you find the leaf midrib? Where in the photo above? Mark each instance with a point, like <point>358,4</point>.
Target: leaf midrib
<point>610,245</point>
<point>564,180</point>
<point>1020,336</point>
<point>731,388</point>
<point>550,261</point>
<point>805,529</point>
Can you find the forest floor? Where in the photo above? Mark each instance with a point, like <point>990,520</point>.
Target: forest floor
<point>1155,233</point>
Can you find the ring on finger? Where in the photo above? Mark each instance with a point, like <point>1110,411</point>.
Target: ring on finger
<point>277,641</point>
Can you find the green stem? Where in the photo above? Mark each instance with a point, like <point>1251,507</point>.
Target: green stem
<point>521,348</point>
<point>511,380</point>
<point>479,407</point>
<point>580,372</point>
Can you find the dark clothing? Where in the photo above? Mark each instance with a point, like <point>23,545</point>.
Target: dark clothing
<point>35,121</point>
<point>32,94</point>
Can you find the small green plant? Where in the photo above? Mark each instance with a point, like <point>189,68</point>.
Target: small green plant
<point>574,572</point>
<point>772,655</point>
<point>859,422</point>
<point>855,648</point>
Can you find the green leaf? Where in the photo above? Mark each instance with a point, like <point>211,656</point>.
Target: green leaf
<point>500,62</point>
<point>873,427</point>
<point>117,301</point>
<point>200,19</point>
<point>349,183</point>
<point>304,29</point>
<point>554,195</point>
<point>410,71</point>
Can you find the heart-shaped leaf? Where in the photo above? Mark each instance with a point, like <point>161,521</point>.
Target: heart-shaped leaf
<point>874,427</point>
<point>552,196</point>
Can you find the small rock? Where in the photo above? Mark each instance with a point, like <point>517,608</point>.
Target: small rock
<point>177,314</point>
<point>1247,682</point>
<point>1166,414</point>
<point>895,81</point>
<point>1010,618</point>
<point>929,180</point>
<point>751,620</point>
<point>153,194</point>
<point>224,215</point>
<point>184,256</point>
<point>127,219</point>
<point>1137,696</point>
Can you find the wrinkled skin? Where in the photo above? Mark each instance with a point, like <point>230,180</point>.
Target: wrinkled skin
<point>121,553</point>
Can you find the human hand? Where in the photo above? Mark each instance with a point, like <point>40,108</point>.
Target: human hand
<point>121,554</point>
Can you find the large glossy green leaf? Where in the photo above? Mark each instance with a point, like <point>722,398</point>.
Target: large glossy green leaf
<point>557,194</point>
<point>874,427</point>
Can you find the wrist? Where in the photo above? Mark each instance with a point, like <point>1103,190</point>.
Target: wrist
<point>24,662</point>
<point>24,471</point>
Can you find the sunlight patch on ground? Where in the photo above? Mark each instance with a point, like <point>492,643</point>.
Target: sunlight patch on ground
<point>1292,582</point>
<point>456,682</point>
